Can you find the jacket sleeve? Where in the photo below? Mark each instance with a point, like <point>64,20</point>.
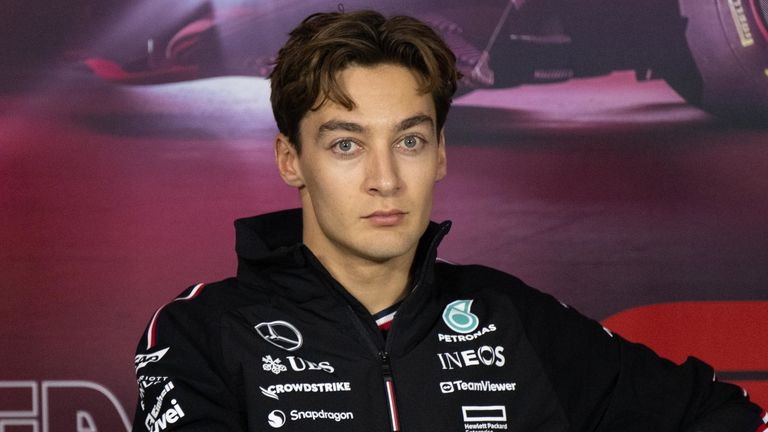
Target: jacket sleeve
<point>182,385</point>
<point>606,383</point>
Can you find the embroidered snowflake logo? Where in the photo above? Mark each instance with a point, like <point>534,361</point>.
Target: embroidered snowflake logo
<point>273,365</point>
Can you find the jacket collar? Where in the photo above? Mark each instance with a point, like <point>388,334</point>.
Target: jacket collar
<point>274,239</point>
<point>272,257</point>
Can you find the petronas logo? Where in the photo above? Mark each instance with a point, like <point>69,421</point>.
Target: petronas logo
<point>458,317</point>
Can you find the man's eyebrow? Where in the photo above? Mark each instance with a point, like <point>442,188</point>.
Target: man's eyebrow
<point>415,121</point>
<point>333,125</point>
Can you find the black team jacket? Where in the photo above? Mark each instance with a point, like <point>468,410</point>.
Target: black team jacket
<point>284,347</point>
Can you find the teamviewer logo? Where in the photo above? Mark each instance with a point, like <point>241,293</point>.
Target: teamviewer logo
<point>446,387</point>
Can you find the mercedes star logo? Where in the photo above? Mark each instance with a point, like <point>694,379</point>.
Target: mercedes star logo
<point>281,334</point>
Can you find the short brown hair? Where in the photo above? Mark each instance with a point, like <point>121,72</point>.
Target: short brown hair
<point>324,44</point>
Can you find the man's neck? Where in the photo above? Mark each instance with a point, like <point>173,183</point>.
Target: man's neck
<point>376,285</point>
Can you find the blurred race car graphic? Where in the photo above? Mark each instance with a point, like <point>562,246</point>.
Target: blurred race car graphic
<point>714,53</point>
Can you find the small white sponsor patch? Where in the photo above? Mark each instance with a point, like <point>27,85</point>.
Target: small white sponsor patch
<point>168,417</point>
<point>142,360</point>
<point>145,382</point>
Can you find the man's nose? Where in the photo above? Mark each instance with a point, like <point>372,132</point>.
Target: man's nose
<point>382,173</point>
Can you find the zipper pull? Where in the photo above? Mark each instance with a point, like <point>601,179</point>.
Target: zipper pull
<point>386,371</point>
<point>386,368</point>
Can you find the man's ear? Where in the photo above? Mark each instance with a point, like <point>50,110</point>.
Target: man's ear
<point>287,160</point>
<point>442,163</point>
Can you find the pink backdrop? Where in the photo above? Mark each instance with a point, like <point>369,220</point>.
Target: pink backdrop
<point>616,196</point>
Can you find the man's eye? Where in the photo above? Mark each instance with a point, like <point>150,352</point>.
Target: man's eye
<point>410,142</point>
<point>345,146</point>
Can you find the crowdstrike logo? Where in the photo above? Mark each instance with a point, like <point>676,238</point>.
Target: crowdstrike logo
<point>281,334</point>
<point>142,360</point>
<point>276,419</point>
<point>274,390</point>
<point>457,317</point>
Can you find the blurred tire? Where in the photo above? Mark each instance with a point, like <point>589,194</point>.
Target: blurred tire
<point>728,42</point>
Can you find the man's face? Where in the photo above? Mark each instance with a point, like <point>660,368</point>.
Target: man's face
<point>366,176</point>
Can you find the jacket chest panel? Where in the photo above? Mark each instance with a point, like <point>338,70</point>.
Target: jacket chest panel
<point>494,383</point>
<point>475,370</point>
<point>297,376</point>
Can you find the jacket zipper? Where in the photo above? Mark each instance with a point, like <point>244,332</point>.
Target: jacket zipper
<point>386,372</point>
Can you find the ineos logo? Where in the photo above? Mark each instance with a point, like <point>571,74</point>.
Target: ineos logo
<point>483,356</point>
<point>281,334</point>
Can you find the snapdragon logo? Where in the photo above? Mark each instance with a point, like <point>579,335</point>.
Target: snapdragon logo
<point>277,418</point>
<point>321,415</point>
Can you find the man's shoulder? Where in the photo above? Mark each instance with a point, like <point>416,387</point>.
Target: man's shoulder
<point>480,280</point>
<point>210,300</point>
<point>195,311</point>
<point>475,275</point>
<point>477,279</point>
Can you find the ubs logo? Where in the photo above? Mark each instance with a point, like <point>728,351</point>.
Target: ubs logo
<point>298,364</point>
<point>281,334</point>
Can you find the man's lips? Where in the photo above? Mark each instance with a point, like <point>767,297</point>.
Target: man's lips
<point>386,217</point>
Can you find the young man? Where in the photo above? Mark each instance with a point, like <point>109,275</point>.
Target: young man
<point>293,341</point>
